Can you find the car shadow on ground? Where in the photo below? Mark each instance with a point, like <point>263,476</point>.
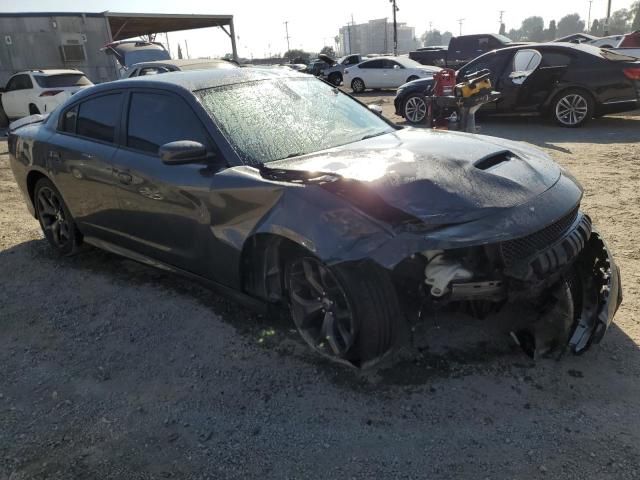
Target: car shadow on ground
<point>442,346</point>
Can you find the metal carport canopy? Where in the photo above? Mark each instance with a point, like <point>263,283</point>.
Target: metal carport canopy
<point>131,25</point>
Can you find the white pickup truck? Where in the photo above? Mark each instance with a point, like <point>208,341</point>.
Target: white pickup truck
<point>627,45</point>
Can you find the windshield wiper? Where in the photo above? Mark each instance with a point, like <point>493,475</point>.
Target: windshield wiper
<point>295,176</point>
<point>371,135</point>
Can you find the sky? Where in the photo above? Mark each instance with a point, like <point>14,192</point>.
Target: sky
<point>260,25</point>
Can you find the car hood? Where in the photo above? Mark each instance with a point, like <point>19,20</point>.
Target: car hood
<point>327,59</point>
<point>436,177</point>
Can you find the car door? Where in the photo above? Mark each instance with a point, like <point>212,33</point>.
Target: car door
<point>545,79</point>
<point>495,62</point>
<point>395,74</point>
<point>16,98</point>
<point>522,65</point>
<point>163,212</point>
<point>80,154</point>
<point>372,72</point>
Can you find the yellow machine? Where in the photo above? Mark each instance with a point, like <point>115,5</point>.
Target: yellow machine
<point>478,83</point>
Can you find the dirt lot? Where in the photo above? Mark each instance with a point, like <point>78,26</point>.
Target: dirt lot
<point>113,370</point>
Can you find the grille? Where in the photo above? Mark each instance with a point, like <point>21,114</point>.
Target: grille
<point>525,247</point>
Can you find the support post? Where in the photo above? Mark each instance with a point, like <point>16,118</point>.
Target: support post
<point>232,34</point>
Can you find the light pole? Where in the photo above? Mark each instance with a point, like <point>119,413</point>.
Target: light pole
<point>286,29</point>
<point>589,16</point>
<point>395,28</point>
<point>460,22</point>
<point>606,23</point>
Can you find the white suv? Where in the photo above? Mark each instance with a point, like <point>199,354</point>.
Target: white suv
<point>40,91</point>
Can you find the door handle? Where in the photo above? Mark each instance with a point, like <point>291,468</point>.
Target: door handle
<point>124,178</point>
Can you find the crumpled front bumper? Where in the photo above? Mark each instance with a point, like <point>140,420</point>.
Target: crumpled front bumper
<point>601,294</point>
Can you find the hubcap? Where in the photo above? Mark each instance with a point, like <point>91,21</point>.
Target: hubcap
<point>415,109</point>
<point>52,217</point>
<point>320,309</point>
<point>572,109</point>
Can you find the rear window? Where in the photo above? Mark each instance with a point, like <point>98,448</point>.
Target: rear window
<point>98,117</point>
<point>63,80</point>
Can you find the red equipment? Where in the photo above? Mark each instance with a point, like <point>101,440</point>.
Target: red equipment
<point>444,82</point>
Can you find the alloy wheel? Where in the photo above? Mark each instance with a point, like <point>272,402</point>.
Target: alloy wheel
<point>572,109</point>
<point>320,308</point>
<point>357,85</point>
<point>52,217</point>
<point>415,109</point>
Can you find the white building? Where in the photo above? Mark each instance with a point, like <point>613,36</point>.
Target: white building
<point>375,36</point>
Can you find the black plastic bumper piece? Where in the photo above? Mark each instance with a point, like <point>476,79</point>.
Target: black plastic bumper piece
<point>601,294</point>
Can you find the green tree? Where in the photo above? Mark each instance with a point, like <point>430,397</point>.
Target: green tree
<point>328,51</point>
<point>620,22</point>
<point>514,35</point>
<point>551,32</point>
<point>532,29</point>
<point>446,38</point>
<point>297,56</point>
<point>635,26</point>
<point>596,29</point>
<point>570,24</point>
<point>431,38</point>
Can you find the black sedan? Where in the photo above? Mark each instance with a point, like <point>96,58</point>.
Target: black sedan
<point>568,82</point>
<point>278,188</point>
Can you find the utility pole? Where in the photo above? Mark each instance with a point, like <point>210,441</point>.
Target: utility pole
<point>606,23</point>
<point>430,26</point>
<point>589,17</point>
<point>350,25</point>
<point>286,28</point>
<point>395,27</point>
<point>460,22</point>
<point>501,17</point>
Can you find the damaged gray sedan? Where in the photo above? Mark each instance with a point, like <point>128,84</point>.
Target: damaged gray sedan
<point>279,189</point>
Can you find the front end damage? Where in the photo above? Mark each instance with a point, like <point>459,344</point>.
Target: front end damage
<point>564,273</point>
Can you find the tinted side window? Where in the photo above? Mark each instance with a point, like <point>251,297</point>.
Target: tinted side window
<point>372,64</point>
<point>20,82</point>
<point>156,119</point>
<point>69,120</point>
<point>555,59</point>
<point>98,117</point>
<point>152,71</point>
<point>494,62</point>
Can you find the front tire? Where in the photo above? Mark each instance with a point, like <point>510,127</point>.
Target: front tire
<point>346,313</point>
<point>357,85</point>
<point>414,109</point>
<point>572,108</point>
<point>56,221</point>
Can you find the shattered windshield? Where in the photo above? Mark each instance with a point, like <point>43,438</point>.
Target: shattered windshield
<point>273,119</point>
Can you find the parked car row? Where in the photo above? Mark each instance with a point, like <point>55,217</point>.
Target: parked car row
<point>572,83</point>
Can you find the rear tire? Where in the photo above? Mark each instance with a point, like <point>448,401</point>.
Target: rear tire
<point>357,302</point>
<point>335,79</point>
<point>357,85</point>
<point>572,108</point>
<point>56,221</point>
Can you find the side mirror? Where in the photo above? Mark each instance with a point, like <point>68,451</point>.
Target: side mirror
<point>182,152</point>
<point>397,67</point>
<point>377,109</point>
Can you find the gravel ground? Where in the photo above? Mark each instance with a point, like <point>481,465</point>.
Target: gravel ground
<point>114,370</point>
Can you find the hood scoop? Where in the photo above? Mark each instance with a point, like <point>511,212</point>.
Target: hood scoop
<point>490,161</point>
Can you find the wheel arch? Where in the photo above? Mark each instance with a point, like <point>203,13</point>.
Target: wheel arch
<point>563,88</point>
<point>32,178</point>
<point>262,262</point>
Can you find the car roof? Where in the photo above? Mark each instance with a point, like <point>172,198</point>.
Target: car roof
<point>51,72</point>
<point>194,80</point>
